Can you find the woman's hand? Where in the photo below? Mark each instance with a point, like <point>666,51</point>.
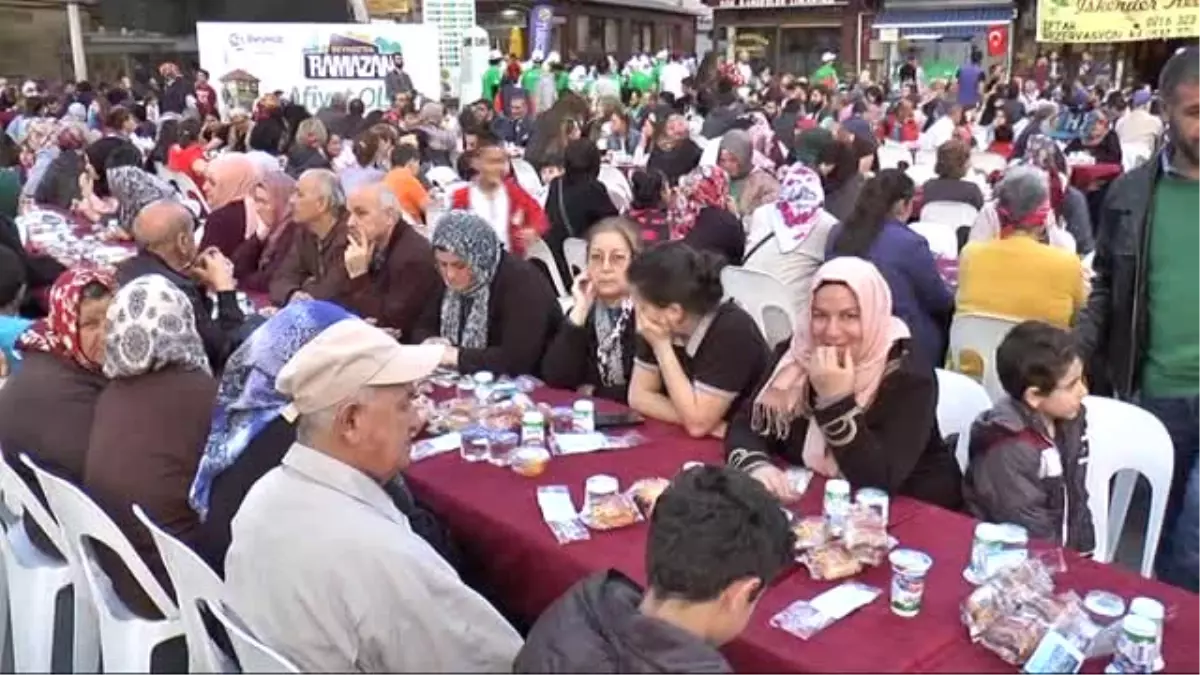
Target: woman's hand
<point>831,372</point>
<point>776,481</point>
<point>583,294</point>
<point>436,341</point>
<point>654,332</point>
<point>86,185</point>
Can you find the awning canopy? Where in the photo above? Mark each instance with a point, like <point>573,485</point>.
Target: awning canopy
<point>948,23</point>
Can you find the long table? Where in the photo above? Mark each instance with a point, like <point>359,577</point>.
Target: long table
<point>494,516</point>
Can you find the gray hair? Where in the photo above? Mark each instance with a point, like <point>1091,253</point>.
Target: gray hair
<point>309,427</point>
<point>312,127</point>
<point>1023,189</point>
<point>388,201</point>
<point>331,188</point>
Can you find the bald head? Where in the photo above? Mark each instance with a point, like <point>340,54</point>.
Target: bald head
<point>165,228</point>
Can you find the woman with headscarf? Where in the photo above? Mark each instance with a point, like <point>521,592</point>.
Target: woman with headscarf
<point>751,185</point>
<point>1041,123</point>
<point>229,187</point>
<point>648,210</point>
<point>670,147</point>
<point>700,214</point>
<point>1018,276</point>
<point>787,238</point>
<point>848,398</point>
<point>432,121</point>
<point>575,201</point>
<point>1096,138</point>
<point>150,425</point>
<point>248,436</point>
<point>60,186</point>
<point>47,405</point>
<point>261,254</point>
<point>496,311</point>
<point>131,186</point>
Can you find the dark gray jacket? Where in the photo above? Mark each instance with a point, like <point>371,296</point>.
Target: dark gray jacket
<point>395,82</point>
<point>1014,477</point>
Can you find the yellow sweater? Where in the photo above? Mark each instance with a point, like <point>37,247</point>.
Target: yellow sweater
<point>1020,278</point>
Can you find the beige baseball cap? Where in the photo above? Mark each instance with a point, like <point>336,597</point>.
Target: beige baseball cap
<point>347,356</point>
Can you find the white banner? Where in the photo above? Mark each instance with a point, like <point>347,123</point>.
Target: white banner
<point>310,62</point>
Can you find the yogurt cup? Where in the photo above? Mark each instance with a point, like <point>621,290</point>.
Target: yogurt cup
<point>909,567</point>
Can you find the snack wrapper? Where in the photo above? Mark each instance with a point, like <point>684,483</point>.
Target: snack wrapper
<point>811,532</point>
<point>559,513</point>
<point>830,561</point>
<point>611,512</point>
<point>806,618</point>
<point>866,535</point>
<point>645,493</point>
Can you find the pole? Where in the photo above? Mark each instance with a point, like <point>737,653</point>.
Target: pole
<point>358,10</point>
<point>75,29</point>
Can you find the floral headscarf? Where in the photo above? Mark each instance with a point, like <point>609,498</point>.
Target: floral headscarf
<point>801,197</point>
<point>471,238</point>
<point>1043,153</point>
<point>1093,121</point>
<point>247,400</point>
<point>58,333</point>
<point>151,326</point>
<point>134,190</point>
<point>705,186</point>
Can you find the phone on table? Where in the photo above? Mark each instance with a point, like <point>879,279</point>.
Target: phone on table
<point>626,418</point>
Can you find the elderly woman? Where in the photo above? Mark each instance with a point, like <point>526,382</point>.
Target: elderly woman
<point>700,214</point>
<point>1018,276</point>
<point>60,185</point>
<point>150,424</point>
<point>47,405</point>
<point>1021,197</point>
<point>1096,138</point>
<point>749,184</point>
<point>261,254</point>
<point>496,311</point>
<point>1068,206</point>
<point>131,186</point>
<point>1041,123</point>
<point>576,200</point>
<point>953,163</point>
<point>308,148</point>
<point>671,150</point>
<point>432,121</point>
<point>229,185</point>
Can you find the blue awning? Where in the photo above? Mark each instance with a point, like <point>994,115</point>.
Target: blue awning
<point>948,23</point>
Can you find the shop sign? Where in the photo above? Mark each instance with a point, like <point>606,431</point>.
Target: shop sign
<point>1099,21</point>
<point>775,4</point>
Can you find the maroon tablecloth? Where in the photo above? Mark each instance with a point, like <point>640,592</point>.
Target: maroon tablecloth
<point>494,515</point>
<point>1084,175</point>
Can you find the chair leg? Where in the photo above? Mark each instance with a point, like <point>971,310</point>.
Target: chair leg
<point>86,653</point>
<point>33,631</point>
<point>1118,508</point>
<point>1154,526</point>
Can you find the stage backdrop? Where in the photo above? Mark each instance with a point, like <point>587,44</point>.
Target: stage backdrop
<point>310,62</point>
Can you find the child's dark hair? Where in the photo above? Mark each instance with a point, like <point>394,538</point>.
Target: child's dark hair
<point>1034,354</point>
<point>647,186</point>
<point>714,526</point>
<point>871,212</point>
<point>675,273</point>
<point>404,153</point>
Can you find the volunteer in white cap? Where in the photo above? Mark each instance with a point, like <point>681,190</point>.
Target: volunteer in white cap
<point>323,565</point>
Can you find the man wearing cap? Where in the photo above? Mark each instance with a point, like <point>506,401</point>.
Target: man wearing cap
<point>533,73</point>
<point>323,567</point>
<point>1139,126</point>
<point>493,76</point>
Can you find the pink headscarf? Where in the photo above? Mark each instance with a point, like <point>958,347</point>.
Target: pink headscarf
<point>786,395</point>
<point>279,187</point>
<point>233,177</point>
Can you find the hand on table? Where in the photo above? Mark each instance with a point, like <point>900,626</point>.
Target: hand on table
<point>776,481</point>
<point>214,270</point>
<point>831,372</point>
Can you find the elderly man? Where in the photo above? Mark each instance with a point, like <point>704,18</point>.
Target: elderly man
<point>323,567</point>
<point>388,263</point>
<point>167,246</point>
<point>314,267</point>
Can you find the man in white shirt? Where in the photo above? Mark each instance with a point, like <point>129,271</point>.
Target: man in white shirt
<point>1139,126</point>
<point>673,75</point>
<point>323,567</point>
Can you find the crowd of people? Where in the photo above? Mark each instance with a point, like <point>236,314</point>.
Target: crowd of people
<point>382,245</point>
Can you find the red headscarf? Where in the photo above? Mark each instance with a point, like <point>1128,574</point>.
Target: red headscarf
<point>58,333</point>
<point>704,186</point>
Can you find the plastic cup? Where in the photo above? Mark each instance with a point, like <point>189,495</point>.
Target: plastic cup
<point>909,568</point>
<point>475,448</point>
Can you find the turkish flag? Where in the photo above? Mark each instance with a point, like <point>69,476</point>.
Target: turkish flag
<point>997,39</point>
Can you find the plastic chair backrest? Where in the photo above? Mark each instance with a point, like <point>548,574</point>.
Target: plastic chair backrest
<point>619,190</point>
<point>954,214</point>
<point>575,252</point>
<point>925,157</point>
<point>1134,155</point>
<point>193,579</point>
<point>960,400</point>
<point>442,176</point>
<point>711,152</point>
<point>988,163</point>
<point>527,176</point>
<point>19,499</point>
<point>921,174</point>
<point>943,240</point>
<point>541,251</point>
<point>82,521</point>
<point>253,655</point>
<point>765,298</point>
<point>890,155</point>
<point>1122,436</point>
<point>973,342</point>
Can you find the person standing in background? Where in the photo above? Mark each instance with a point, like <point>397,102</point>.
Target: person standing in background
<point>397,81</point>
<point>206,96</point>
<point>970,77</point>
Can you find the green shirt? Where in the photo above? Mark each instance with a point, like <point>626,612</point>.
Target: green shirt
<point>1172,360</point>
<point>640,80</point>
<point>491,82</point>
<point>529,81</point>
<point>562,81</point>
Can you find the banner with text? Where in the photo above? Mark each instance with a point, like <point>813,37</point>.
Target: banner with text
<point>1116,20</point>
<point>310,62</point>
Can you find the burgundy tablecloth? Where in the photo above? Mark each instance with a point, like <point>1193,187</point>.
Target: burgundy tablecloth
<point>494,515</point>
<point>1084,175</point>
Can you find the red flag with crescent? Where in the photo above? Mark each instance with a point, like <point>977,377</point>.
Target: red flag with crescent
<point>997,40</point>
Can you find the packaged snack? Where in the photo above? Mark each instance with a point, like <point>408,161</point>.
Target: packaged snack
<point>806,618</point>
<point>866,534</point>
<point>529,461</point>
<point>558,511</point>
<point>831,561</point>
<point>611,512</point>
<point>810,532</point>
<point>1013,637</point>
<point>646,491</point>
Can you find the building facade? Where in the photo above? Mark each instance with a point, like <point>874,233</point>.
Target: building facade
<point>787,35</point>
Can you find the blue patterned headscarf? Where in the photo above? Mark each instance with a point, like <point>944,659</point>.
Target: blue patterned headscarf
<point>246,397</point>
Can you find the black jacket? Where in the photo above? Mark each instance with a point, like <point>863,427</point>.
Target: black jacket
<point>1013,477</point>
<point>571,361</point>
<point>1113,325</point>
<point>571,209</point>
<point>596,627</point>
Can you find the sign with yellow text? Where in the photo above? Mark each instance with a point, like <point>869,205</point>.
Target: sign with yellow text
<point>1116,20</point>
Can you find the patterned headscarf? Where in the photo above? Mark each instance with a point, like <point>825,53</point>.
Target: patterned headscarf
<point>151,326</point>
<point>1043,153</point>
<point>801,197</point>
<point>71,137</point>
<point>247,400</point>
<point>1091,122</point>
<point>58,333</point>
<point>471,238</point>
<point>134,190</point>
<point>610,324</point>
<point>704,186</point>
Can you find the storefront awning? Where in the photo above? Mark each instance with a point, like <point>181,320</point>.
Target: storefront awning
<point>948,23</point>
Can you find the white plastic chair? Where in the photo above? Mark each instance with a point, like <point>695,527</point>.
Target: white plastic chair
<point>710,152</point>
<point>575,252</point>
<point>960,400</point>
<point>973,342</point>
<point>34,581</point>
<point>890,155</point>
<point>1134,155</point>
<point>193,579</point>
<point>765,298</point>
<point>527,176</point>
<point>442,176</point>
<point>253,655</point>
<point>541,251</point>
<point>925,157</point>
<point>619,190</point>
<point>127,640</point>
<point>988,163</point>
<point>1125,440</point>
<point>942,238</point>
<point>921,174</point>
<point>954,214</point>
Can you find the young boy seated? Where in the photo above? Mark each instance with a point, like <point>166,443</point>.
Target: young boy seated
<point>717,539</point>
<point>12,294</point>
<point>1029,453</point>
